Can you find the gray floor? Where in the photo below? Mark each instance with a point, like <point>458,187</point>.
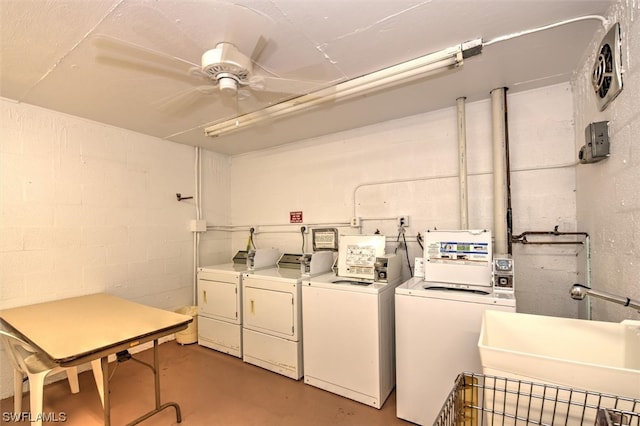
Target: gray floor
<point>212,389</point>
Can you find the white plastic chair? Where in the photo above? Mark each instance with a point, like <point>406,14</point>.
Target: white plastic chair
<point>27,360</point>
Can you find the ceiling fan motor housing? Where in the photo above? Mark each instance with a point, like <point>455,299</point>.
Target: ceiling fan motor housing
<point>226,62</point>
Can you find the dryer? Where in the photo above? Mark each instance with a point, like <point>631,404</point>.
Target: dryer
<point>438,320</point>
<point>220,299</point>
<point>272,314</point>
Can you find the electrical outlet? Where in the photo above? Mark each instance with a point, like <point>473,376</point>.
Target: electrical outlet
<point>403,221</point>
<point>355,222</point>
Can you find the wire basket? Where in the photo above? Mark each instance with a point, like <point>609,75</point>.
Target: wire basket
<point>478,400</point>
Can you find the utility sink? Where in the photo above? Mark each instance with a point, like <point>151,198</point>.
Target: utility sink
<point>592,355</point>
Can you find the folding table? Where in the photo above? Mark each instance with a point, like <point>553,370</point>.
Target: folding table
<point>89,328</point>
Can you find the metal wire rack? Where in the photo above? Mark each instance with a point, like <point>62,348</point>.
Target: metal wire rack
<point>478,399</point>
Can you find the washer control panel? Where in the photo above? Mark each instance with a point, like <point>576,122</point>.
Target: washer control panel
<point>503,274</point>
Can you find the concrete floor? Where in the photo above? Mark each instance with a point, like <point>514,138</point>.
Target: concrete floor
<point>212,389</point>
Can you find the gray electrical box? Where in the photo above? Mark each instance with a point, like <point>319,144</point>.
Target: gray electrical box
<point>596,147</point>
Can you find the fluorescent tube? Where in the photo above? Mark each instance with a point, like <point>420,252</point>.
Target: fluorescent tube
<point>414,69</point>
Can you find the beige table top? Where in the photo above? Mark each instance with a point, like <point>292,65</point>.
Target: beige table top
<point>79,329</point>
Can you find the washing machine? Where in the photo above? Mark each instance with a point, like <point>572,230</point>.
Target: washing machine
<point>272,317</point>
<point>438,319</point>
<point>220,299</point>
<point>348,323</point>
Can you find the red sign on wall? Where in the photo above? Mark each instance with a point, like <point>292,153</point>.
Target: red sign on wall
<point>295,217</point>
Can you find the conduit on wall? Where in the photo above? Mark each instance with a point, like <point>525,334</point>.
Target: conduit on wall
<point>501,217</point>
<point>196,235</point>
<point>462,161</point>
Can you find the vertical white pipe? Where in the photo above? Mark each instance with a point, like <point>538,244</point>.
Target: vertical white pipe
<point>587,242</point>
<point>499,126</point>
<point>196,235</point>
<point>194,285</point>
<point>462,158</point>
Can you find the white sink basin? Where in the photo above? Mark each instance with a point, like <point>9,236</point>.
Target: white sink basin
<point>592,355</point>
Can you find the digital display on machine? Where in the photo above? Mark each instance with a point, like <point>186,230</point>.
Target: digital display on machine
<point>503,264</point>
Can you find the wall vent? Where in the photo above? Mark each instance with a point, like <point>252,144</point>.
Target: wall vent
<point>607,70</point>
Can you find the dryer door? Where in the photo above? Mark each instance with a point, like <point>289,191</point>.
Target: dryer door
<point>219,300</point>
<point>269,311</point>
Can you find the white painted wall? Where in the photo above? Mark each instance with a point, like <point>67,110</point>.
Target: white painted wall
<point>608,192</point>
<point>215,246</point>
<point>409,167</point>
<point>87,208</point>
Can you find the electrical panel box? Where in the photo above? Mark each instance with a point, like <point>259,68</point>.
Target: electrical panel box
<point>596,147</point>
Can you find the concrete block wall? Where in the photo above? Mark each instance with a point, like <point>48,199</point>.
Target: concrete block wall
<point>89,208</point>
<point>215,245</point>
<point>608,192</point>
<point>409,167</point>
<point>86,208</point>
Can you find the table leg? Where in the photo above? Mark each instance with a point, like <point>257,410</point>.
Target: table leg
<point>156,373</point>
<point>104,362</point>
<point>96,367</point>
<point>156,379</point>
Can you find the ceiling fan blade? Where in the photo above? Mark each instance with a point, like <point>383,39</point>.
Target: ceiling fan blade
<point>242,25</point>
<point>286,85</point>
<point>118,49</point>
<point>243,94</point>
<point>261,43</point>
<point>187,101</point>
<point>180,103</point>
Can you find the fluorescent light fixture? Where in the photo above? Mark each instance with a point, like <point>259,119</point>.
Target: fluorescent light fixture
<point>405,72</point>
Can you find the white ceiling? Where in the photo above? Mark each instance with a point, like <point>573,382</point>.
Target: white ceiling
<point>50,56</point>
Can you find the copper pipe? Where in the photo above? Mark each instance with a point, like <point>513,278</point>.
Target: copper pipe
<point>522,238</point>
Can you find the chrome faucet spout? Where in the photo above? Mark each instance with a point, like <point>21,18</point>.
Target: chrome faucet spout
<point>579,292</point>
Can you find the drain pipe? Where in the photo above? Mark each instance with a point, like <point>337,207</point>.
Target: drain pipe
<point>501,193</point>
<point>587,243</point>
<point>462,157</point>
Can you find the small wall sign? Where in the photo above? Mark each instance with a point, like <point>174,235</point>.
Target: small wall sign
<point>295,217</point>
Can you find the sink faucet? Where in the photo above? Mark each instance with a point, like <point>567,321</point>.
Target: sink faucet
<point>579,291</point>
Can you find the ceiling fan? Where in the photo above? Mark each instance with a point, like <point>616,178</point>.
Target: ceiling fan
<point>228,68</point>
<point>225,68</point>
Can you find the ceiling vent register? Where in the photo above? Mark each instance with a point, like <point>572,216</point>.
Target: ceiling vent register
<point>607,70</point>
